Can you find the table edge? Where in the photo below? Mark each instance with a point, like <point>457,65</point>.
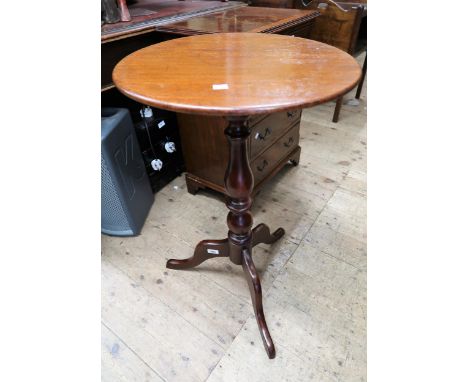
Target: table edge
<point>224,111</point>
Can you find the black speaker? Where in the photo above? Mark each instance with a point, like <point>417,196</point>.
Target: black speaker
<point>126,195</point>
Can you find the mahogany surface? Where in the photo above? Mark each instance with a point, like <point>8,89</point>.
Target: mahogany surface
<point>245,19</point>
<point>179,75</point>
<point>147,14</point>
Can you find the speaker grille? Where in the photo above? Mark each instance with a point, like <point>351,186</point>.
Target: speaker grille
<point>112,213</point>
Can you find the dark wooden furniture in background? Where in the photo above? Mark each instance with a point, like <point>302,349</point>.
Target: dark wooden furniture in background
<point>246,19</point>
<point>342,24</point>
<point>276,138</point>
<point>339,24</point>
<point>147,14</point>
<point>300,73</point>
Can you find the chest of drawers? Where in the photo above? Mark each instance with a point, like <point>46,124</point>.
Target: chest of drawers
<point>274,142</point>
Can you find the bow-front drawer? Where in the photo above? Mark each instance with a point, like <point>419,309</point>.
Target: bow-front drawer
<point>267,161</point>
<point>269,129</point>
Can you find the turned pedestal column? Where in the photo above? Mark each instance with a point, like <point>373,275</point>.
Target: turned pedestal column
<point>241,238</point>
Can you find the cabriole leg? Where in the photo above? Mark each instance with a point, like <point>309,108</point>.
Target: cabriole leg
<point>261,234</point>
<point>255,287</point>
<point>206,249</point>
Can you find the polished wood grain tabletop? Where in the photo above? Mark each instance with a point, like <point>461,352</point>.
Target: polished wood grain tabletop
<point>236,74</point>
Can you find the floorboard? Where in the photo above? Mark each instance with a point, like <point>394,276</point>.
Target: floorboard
<point>198,325</point>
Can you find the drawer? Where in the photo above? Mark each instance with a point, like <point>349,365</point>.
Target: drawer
<point>266,162</point>
<point>254,119</point>
<point>269,129</point>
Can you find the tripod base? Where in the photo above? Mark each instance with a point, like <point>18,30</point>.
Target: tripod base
<point>208,249</point>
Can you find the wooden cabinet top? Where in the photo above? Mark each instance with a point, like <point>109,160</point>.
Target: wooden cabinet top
<point>148,14</point>
<point>236,74</point>
<point>245,19</point>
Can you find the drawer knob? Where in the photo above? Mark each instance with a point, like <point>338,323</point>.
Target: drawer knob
<point>291,114</point>
<point>264,164</point>
<point>170,147</point>
<point>289,142</point>
<point>157,164</point>
<point>259,136</point>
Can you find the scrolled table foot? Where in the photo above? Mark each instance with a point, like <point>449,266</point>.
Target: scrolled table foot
<point>255,287</point>
<point>206,249</point>
<point>261,234</point>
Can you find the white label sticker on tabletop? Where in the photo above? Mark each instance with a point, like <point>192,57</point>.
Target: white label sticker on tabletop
<point>213,251</point>
<point>161,124</point>
<point>220,86</point>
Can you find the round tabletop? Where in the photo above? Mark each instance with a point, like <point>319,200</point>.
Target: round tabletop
<point>236,74</point>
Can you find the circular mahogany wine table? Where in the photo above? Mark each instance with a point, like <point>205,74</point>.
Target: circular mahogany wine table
<point>236,75</point>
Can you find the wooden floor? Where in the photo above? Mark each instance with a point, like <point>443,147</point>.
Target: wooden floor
<point>198,325</point>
